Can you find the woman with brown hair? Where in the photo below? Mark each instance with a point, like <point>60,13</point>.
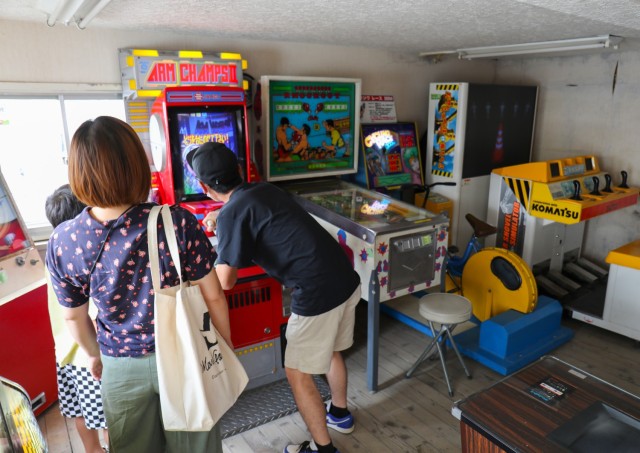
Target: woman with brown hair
<point>103,254</point>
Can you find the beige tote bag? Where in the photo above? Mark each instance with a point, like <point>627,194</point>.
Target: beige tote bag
<point>199,375</point>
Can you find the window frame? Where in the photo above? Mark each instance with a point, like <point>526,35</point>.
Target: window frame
<point>60,92</point>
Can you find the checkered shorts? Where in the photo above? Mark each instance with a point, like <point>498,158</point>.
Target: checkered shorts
<point>79,396</point>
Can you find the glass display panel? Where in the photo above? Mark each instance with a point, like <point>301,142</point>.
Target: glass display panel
<point>599,428</point>
<point>312,127</point>
<point>367,208</point>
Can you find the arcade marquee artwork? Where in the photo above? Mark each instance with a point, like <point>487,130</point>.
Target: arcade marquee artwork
<point>312,126</point>
<point>444,142</point>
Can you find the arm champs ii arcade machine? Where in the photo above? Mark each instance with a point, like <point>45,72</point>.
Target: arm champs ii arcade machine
<point>209,103</point>
<point>395,247</point>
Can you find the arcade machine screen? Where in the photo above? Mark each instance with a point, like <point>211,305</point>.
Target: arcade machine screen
<point>499,124</point>
<point>312,126</point>
<point>14,238</point>
<point>390,156</point>
<point>193,126</point>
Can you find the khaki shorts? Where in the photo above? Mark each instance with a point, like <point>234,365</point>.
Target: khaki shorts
<point>312,340</point>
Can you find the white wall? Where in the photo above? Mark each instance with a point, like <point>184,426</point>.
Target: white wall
<point>37,53</point>
<point>579,113</point>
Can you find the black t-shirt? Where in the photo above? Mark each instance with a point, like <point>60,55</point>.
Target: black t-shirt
<point>262,224</point>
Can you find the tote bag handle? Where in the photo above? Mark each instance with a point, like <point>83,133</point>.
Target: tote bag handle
<point>172,243</point>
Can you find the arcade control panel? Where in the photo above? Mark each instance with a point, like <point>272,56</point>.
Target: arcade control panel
<point>568,190</point>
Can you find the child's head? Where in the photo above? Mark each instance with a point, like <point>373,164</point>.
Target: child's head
<point>62,205</point>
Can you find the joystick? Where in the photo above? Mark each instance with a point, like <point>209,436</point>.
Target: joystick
<point>576,191</point>
<point>624,185</point>
<point>607,183</point>
<point>596,186</point>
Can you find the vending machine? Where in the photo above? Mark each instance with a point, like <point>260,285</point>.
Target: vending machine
<point>473,129</point>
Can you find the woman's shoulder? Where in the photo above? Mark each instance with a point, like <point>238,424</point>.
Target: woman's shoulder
<point>177,211</point>
<point>180,213</point>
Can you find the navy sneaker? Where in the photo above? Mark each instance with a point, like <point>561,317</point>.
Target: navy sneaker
<point>344,425</point>
<point>304,447</point>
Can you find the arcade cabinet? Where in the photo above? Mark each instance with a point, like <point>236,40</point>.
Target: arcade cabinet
<point>186,117</point>
<point>472,129</point>
<point>390,157</point>
<point>511,325</point>
<point>396,247</point>
<point>27,355</point>
<point>550,406</point>
<point>541,209</point>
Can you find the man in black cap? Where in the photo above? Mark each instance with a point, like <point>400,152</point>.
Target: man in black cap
<point>260,224</point>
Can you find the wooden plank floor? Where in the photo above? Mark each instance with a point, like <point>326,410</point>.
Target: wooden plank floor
<point>406,415</point>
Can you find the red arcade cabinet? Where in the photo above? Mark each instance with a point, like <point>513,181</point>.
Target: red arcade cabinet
<point>27,353</point>
<point>202,99</point>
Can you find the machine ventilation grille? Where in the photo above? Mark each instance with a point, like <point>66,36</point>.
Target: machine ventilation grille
<point>251,296</point>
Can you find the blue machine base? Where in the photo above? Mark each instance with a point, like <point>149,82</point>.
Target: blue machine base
<point>510,340</point>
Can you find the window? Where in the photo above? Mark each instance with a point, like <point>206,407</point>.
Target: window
<point>34,138</point>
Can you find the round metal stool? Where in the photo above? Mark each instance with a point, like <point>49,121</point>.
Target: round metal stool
<point>447,310</point>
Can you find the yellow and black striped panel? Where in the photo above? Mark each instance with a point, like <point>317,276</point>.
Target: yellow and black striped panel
<point>521,188</point>
<point>446,174</point>
<point>447,87</point>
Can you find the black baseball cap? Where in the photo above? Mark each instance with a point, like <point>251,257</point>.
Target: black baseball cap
<point>214,164</point>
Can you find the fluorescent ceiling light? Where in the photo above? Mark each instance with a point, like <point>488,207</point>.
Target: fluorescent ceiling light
<point>68,10</point>
<point>533,48</point>
<point>93,12</point>
<point>544,47</point>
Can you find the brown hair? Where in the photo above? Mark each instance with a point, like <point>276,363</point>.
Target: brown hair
<point>107,164</point>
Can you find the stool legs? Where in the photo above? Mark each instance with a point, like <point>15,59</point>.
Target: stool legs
<point>425,354</point>
<point>455,348</point>
<point>437,341</point>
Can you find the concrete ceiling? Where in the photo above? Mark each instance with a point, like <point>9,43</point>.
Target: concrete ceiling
<point>412,26</point>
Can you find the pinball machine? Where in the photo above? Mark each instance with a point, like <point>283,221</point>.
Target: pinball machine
<point>396,248</point>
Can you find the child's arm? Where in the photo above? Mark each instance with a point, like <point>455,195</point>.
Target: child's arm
<point>83,332</point>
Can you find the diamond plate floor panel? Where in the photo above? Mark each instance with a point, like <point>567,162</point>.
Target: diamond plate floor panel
<point>261,405</point>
